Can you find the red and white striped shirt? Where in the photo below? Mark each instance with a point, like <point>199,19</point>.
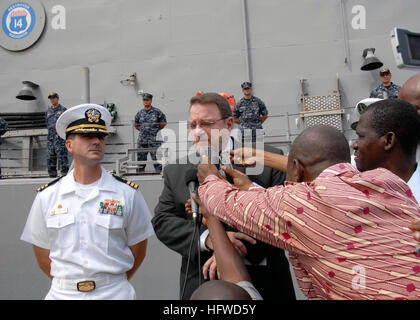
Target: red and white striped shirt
<point>346,231</point>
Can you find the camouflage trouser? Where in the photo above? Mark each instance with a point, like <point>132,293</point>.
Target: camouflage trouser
<point>142,156</point>
<point>57,149</point>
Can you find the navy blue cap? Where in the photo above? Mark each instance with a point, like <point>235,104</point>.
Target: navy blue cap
<point>384,71</point>
<point>246,85</point>
<point>147,96</point>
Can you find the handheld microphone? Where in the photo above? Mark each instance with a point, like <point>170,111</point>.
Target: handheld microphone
<point>192,183</point>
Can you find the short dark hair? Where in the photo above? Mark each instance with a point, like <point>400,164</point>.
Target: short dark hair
<point>400,117</point>
<point>220,290</point>
<point>321,143</point>
<point>70,136</point>
<point>212,97</point>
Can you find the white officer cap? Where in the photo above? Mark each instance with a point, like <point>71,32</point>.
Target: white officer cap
<point>84,118</point>
<point>360,108</point>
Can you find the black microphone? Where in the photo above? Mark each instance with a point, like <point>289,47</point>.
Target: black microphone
<point>192,182</point>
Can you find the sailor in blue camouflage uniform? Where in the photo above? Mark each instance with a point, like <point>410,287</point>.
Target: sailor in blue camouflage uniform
<point>56,147</point>
<point>250,112</point>
<point>3,129</point>
<point>387,89</point>
<point>149,121</point>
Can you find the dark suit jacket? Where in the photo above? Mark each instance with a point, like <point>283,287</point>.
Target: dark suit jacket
<point>174,227</point>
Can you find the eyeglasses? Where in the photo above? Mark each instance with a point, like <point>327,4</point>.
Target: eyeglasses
<point>205,124</point>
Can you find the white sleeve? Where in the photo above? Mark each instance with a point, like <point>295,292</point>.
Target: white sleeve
<point>203,238</point>
<point>35,230</point>
<point>139,226</point>
<point>252,291</point>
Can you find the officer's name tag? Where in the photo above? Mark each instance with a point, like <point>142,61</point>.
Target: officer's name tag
<point>59,210</point>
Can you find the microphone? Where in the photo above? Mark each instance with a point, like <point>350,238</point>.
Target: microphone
<point>192,183</point>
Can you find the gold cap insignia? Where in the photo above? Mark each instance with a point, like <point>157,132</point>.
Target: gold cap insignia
<point>93,115</point>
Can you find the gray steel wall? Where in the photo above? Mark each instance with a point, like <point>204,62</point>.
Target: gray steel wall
<point>179,47</point>
<point>20,276</point>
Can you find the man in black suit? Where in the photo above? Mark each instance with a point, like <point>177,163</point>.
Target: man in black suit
<point>211,123</point>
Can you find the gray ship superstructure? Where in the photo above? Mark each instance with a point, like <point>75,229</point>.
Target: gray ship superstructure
<point>303,58</point>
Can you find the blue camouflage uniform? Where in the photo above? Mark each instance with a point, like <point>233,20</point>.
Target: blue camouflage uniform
<point>382,92</point>
<point>249,113</point>
<point>56,147</point>
<point>149,122</point>
<point>3,129</point>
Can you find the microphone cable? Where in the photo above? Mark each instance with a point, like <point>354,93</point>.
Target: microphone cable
<point>188,263</point>
<point>196,231</point>
<point>198,224</point>
<point>198,254</point>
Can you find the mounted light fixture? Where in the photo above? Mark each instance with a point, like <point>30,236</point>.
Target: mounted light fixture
<point>371,62</point>
<point>26,93</point>
<point>130,81</point>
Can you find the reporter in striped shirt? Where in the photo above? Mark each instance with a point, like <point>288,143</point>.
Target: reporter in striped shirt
<point>346,231</point>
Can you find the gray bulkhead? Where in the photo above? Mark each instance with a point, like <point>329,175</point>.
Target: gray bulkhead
<point>177,48</point>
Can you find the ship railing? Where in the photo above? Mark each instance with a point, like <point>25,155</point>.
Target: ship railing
<point>23,150</point>
<point>26,152</point>
<point>128,165</point>
<point>28,138</point>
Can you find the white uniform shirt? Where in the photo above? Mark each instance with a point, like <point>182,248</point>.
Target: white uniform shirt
<point>84,239</point>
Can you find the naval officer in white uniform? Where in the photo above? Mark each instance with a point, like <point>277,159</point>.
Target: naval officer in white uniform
<point>89,229</point>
